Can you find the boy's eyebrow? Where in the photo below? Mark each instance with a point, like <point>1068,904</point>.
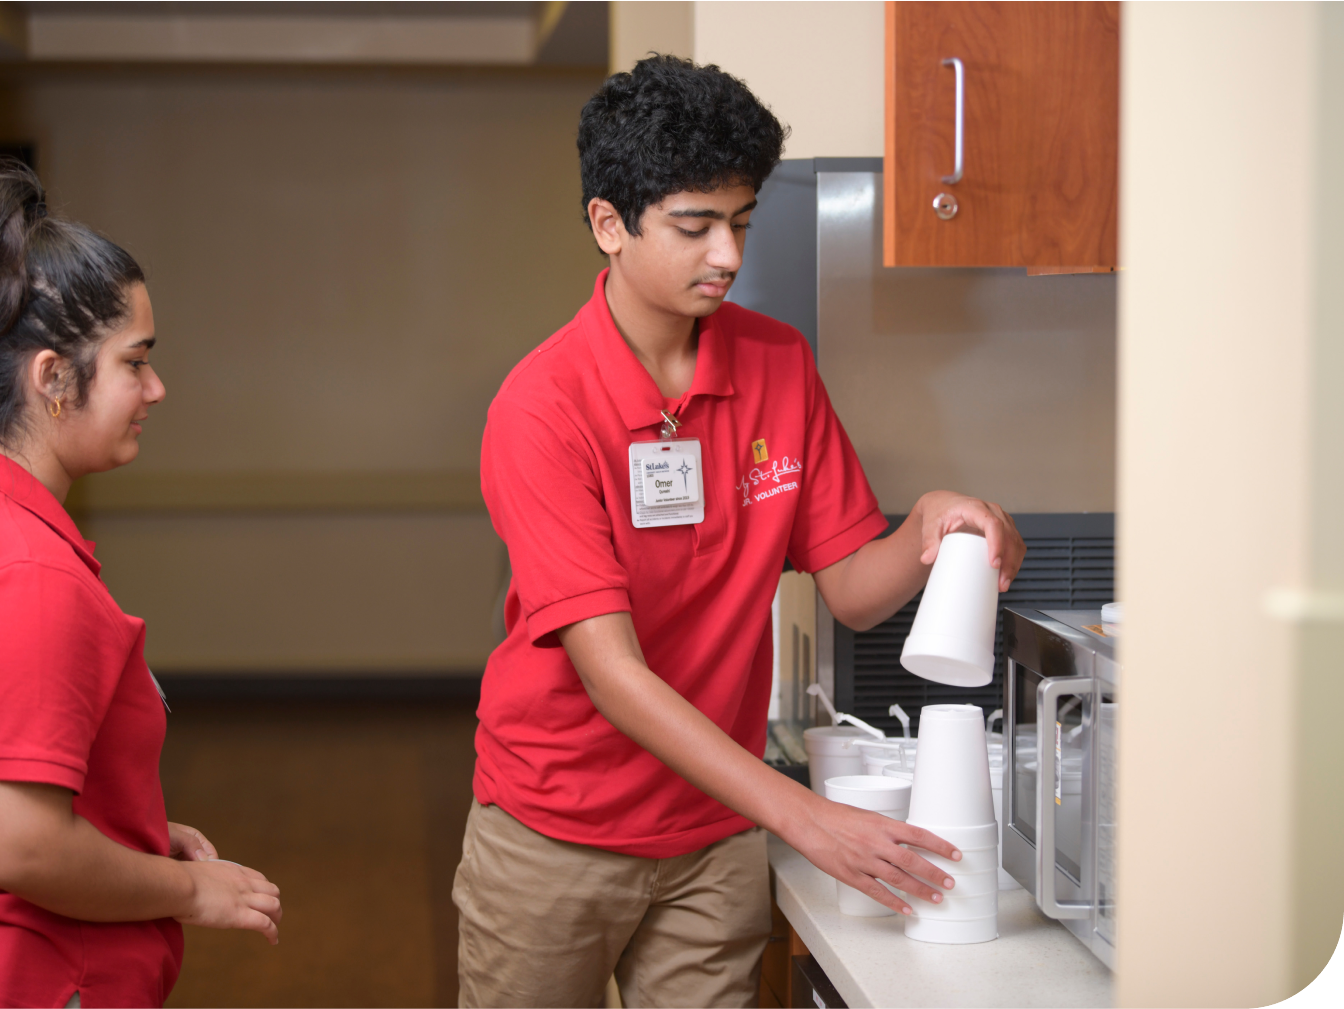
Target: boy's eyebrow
<point>716,215</point>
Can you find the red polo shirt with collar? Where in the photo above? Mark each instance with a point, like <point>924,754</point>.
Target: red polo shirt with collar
<point>78,709</point>
<point>780,480</point>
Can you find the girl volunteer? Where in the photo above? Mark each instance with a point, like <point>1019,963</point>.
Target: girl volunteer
<point>93,878</point>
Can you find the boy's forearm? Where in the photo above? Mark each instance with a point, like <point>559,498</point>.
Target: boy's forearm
<point>876,580</point>
<point>642,706</point>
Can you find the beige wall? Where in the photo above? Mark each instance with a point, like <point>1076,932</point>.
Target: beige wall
<point>661,26</point>
<point>344,266</point>
<point>818,65</point>
<point>1230,559</point>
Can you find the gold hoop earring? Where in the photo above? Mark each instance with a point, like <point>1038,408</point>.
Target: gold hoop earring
<point>54,408</point>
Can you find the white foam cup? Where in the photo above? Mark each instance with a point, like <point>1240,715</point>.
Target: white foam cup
<point>985,835</point>
<point>952,638</point>
<point>860,905</point>
<point>952,777</point>
<point>831,753</point>
<point>972,860</point>
<point>888,796</point>
<point>952,932</point>
<point>896,771</point>
<point>974,884</point>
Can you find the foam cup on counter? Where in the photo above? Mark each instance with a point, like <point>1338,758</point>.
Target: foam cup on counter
<point>888,796</point>
<point>952,932</point>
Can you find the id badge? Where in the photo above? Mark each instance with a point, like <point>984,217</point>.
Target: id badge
<point>667,487</point>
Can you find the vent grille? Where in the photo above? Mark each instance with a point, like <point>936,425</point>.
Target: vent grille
<point>1070,564</point>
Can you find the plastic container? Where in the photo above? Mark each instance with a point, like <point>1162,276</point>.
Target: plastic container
<point>952,638</point>
<point>831,753</point>
<point>926,929</point>
<point>878,754</point>
<point>888,796</point>
<point>1112,616</point>
<point>952,776</point>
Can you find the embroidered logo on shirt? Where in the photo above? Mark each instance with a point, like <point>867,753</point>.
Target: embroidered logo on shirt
<point>759,451</point>
<point>774,477</point>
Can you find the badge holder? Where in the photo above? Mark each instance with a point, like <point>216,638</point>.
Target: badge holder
<point>666,483</point>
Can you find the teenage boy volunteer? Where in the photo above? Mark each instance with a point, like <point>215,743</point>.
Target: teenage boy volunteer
<point>620,792</point>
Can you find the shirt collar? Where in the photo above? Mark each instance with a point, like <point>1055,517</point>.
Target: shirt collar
<point>26,491</point>
<point>636,394</point>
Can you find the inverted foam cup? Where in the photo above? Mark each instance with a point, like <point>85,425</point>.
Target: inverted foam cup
<point>972,860</point>
<point>983,835</point>
<point>952,932</point>
<point>831,753</point>
<point>888,796</point>
<point>952,776</point>
<point>952,638</point>
<point>953,908</point>
<point>974,884</point>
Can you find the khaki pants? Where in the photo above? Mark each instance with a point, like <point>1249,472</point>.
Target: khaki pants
<point>546,923</point>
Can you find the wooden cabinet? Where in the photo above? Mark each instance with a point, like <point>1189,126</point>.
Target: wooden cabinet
<point>1040,127</point>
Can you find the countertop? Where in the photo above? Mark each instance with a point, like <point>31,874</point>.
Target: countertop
<point>1034,962</point>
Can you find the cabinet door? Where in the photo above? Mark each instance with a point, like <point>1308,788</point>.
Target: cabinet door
<point>1041,130</point>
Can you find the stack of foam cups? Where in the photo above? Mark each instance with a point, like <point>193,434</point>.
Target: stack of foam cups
<point>951,797</point>
<point>888,796</point>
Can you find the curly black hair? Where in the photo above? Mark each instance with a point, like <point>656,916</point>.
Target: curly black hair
<point>670,126</point>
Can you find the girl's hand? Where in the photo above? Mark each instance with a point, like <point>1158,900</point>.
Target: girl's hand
<point>228,895</point>
<point>188,844</point>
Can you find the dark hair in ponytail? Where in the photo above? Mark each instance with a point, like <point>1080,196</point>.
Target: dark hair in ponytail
<point>62,287</point>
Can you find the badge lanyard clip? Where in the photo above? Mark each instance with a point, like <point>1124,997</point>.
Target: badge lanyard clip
<point>670,425</point>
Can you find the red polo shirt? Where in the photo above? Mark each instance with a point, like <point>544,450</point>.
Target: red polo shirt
<point>77,709</point>
<point>555,473</point>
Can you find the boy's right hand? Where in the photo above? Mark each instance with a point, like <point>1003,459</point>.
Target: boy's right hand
<point>227,895</point>
<point>859,847</point>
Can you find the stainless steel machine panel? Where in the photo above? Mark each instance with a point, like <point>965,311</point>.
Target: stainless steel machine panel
<point>1060,712</point>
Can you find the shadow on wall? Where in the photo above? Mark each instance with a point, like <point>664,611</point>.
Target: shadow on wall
<point>985,381</point>
<point>344,265</point>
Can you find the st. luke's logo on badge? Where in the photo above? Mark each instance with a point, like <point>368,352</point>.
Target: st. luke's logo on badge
<point>758,451</point>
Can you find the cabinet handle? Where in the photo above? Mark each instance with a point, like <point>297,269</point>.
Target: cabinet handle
<point>955,64</point>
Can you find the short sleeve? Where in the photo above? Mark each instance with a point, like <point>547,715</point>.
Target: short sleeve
<point>541,484</point>
<point>61,658</point>
<point>838,512</point>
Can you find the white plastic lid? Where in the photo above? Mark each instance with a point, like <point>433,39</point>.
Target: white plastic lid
<point>833,740</point>
<point>1113,613</point>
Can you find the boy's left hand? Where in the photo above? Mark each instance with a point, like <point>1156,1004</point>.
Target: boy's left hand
<point>944,512</point>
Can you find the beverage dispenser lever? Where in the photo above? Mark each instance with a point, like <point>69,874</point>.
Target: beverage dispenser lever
<point>1047,703</point>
